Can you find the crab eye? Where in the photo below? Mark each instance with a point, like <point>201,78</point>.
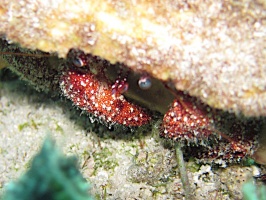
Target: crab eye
<point>145,82</point>
<point>78,62</point>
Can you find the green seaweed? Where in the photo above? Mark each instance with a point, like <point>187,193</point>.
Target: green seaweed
<point>253,191</point>
<point>51,176</point>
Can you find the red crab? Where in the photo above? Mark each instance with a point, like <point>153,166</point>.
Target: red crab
<point>209,133</point>
<point>95,93</point>
<point>219,135</point>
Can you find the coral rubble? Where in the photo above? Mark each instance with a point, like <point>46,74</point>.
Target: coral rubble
<point>214,50</point>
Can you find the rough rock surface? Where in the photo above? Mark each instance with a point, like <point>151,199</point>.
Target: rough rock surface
<point>215,50</point>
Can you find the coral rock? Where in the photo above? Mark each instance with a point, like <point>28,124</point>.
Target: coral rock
<point>214,50</point>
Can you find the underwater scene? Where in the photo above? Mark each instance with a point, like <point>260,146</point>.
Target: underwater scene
<point>133,100</point>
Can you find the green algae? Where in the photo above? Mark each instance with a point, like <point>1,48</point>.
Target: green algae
<point>51,176</point>
<point>30,124</point>
<point>105,160</point>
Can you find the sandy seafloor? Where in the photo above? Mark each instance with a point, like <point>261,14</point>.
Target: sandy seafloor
<point>118,163</point>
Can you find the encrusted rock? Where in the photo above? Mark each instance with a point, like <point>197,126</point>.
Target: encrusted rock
<point>214,50</point>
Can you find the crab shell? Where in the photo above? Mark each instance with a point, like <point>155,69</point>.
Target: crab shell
<point>206,134</point>
<point>96,97</point>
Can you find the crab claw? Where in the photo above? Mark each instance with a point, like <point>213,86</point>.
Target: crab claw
<point>94,96</point>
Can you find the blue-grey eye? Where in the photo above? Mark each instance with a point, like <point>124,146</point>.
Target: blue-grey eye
<point>145,82</point>
<point>78,62</point>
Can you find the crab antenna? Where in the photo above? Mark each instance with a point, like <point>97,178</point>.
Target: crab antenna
<point>25,54</point>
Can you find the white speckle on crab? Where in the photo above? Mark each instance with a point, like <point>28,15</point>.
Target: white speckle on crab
<point>193,117</point>
<point>175,104</point>
<point>83,84</point>
<point>195,133</point>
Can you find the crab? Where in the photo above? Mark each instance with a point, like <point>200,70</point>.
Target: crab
<point>94,93</point>
<point>105,91</point>
<point>219,135</point>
